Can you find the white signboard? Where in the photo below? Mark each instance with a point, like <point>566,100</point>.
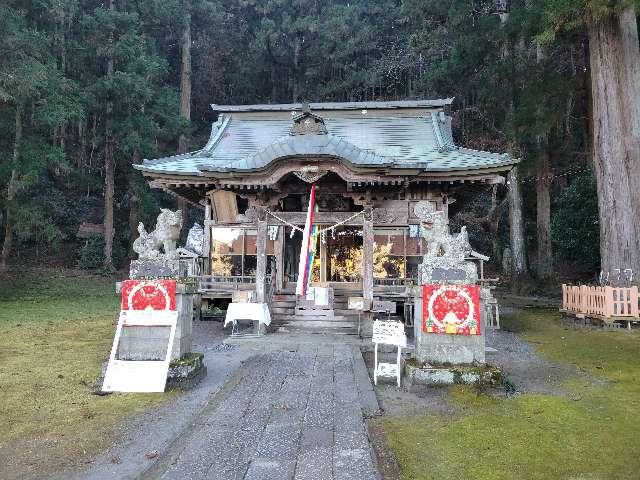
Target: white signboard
<point>389,333</point>
<point>321,296</point>
<point>311,294</point>
<point>140,375</point>
<point>356,303</point>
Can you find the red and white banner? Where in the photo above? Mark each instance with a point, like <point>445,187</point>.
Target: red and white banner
<point>453,309</point>
<point>149,295</point>
<point>304,268</point>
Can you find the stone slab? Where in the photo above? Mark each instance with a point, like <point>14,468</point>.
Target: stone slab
<point>313,464</point>
<point>440,376</point>
<point>256,430</point>
<point>270,470</point>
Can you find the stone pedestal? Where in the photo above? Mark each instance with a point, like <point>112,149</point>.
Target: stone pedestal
<point>160,268</point>
<point>443,348</point>
<point>150,343</point>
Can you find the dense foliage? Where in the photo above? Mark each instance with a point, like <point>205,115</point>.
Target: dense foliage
<point>516,91</point>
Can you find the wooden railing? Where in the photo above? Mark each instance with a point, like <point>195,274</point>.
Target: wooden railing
<point>607,302</point>
<point>214,282</point>
<point>394,282</point>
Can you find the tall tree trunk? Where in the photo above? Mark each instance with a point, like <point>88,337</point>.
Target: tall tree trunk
<point>494,225</point>
<point>274,83</point>
<point>516,224</point>
<point>109,161</point>
<point>544,268</point>
<point>134,209</point>
<point>185,74</point>
<point>297,54</point>
<point>615,79</point>
<point>514,195</point>
<point>185,94</point>
<point>133,222</point>
<point>12,188</point>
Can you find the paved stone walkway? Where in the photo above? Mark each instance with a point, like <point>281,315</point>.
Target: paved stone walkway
<point>292,414</point>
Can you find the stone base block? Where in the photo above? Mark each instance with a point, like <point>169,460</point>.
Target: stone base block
<point>453,349</point>
<point>485,375</point>
<point>159,268</point>
<point>186,373</point>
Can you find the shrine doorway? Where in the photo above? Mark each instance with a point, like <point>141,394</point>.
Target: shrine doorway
<point>341,255</point>
<point>338,257</point>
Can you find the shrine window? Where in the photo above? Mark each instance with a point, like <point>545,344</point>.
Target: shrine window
<point>234,252</point>
<point>397,252</point>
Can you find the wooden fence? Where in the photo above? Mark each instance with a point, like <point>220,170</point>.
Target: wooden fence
<point>605,302</point>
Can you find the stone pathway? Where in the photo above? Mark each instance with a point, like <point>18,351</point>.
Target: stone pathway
<point>290,414</point>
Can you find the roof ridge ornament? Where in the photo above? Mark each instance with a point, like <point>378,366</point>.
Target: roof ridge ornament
<point>306,123</point>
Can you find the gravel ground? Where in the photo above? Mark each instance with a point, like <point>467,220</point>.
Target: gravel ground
<point>525,370</point>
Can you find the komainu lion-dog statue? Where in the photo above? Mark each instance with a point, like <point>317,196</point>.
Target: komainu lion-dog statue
<point>149,244</point>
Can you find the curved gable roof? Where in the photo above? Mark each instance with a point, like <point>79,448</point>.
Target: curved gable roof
<point>249,138</point>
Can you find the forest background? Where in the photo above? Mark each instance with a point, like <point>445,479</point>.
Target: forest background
<point>87,88</point>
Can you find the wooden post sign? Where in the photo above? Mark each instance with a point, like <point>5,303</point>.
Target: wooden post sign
<point>145,303</point>
<point>388,333</point>
<point>357,303</point>
<point>360,304</point>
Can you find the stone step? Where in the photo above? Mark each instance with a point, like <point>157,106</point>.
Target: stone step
<point>345,311</point>
<point>295,318</point>
<point>284,297</point>
<point>281,310</point>
<point>314,312</point>
<point>282,303</point>
<point>318,325</point>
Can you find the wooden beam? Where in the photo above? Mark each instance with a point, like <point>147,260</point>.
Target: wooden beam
<point>321,218</point>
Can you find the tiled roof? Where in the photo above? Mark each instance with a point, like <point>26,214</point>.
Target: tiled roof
<point>242,142</point>
<point>286,107</point>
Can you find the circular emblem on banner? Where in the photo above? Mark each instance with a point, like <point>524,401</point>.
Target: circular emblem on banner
<point>148,296</point>
<point>452,311</point>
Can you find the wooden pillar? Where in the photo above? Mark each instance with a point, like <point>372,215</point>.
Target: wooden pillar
<point>323,262</point>
<point>367,256</point>
<point>261,261</point>
<point>206,244</point>
<point>279,253</point>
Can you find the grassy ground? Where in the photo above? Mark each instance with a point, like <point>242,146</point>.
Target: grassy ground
<point>591,433</point>
<point>54,334</point>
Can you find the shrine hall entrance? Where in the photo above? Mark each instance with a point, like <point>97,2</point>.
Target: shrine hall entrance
<point>338,257</point>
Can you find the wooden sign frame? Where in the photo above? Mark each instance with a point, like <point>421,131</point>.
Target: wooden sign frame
<point>143,375</point>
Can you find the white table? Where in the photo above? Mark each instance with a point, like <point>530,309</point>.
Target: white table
<point>257,312</point>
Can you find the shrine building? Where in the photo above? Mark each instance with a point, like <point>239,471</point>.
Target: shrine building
<point>371,163</point>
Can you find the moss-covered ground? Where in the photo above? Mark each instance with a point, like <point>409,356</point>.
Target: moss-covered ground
<point>55,332</point>
<point>591,433</point>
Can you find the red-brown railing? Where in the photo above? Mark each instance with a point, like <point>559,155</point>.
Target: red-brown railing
<point>607,302</point>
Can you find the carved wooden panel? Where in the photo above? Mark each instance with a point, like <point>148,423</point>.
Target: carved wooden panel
<point>390,216</point>
<point>310,176</point>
